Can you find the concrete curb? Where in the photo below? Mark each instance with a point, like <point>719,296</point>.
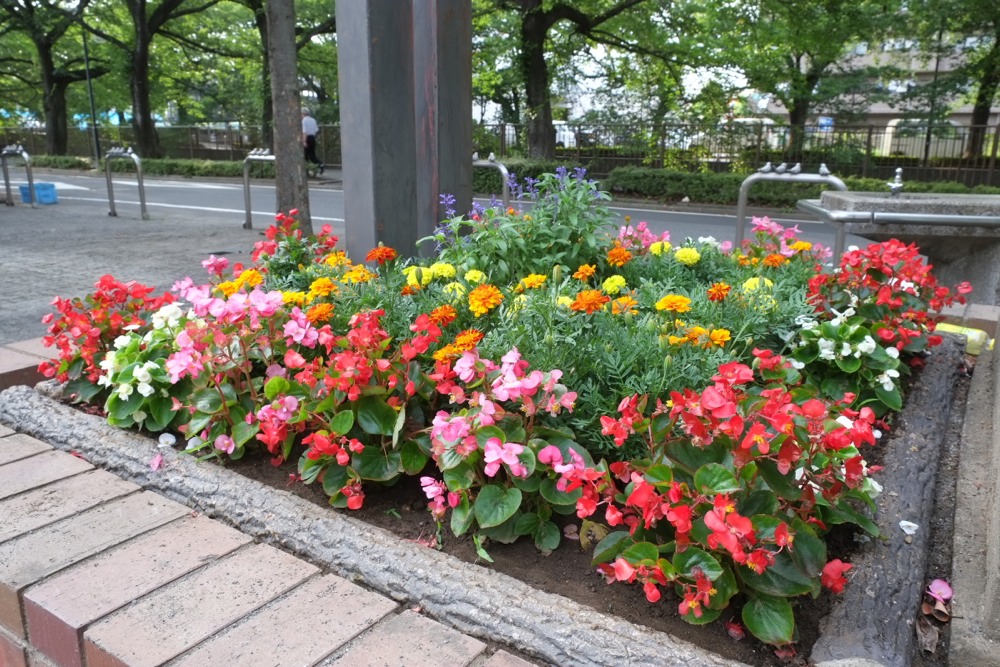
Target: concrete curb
<point>471,599</point>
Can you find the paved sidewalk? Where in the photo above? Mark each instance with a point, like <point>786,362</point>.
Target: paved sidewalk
<point>95,571</point>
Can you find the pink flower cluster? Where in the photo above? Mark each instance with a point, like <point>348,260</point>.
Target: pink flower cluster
<point>639,237</point>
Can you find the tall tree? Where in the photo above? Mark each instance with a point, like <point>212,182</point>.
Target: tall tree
<point>289,165</point>
<point>601,21</point>
<point>46,25</point>
<point>800,51</point>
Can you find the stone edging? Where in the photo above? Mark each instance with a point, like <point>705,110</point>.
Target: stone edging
<point>470,598</point>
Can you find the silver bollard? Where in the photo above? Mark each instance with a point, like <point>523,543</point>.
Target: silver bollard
<point>127,154</point>
<point>492,163</point>
<point>256,155</point>
<point>16,150</point>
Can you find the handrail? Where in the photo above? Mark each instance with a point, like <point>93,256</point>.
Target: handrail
<point>492,162</point>
<point>127,154</point>
<point>16,150</point>
<point>779,173</point>
<point>258,155</point>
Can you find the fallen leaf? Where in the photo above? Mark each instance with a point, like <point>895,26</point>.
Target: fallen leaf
<point>156,463</point>
<point>927,634</point>
<point>591,533</point>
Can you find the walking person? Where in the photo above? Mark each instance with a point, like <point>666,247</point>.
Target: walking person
<point>309,131</point>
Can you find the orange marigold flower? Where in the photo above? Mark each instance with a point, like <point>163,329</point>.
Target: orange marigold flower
<point>409,290</point>
<point>718,291</point>
<point>619,256</point>
<point>674,303</point>
<point>775,260</point>
<point>589,301</point>
<point>321,312</point>
<point>719,337</point>
<point>696,334</point>
<point>381,254</point>
<point>483,299</point>
<point>468,339</point>
<point>585,272</point>
<point>443,315</point>
<point>623,305</point>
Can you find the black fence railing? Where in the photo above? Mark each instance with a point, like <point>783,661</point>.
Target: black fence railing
<point>944,152</point>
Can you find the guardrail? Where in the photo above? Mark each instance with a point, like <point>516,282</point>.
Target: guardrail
<point>124,154</point>
<point>256,155</point>
<point>789,175</point>
<point>16,150</point>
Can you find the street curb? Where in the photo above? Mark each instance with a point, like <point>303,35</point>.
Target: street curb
<point>474,600</point>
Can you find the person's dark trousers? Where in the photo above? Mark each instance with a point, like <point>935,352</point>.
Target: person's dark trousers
<point>311,153</point>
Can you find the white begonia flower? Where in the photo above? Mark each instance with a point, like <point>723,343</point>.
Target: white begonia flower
<point>131,327</point>
<point>708,240</point>
<point>846,350</point>
<point>141,375</point>
<point>887,379</point>
<point>139,416</point>
<point>122,341</point>
<point>108,362</point>
<point>124,391</point>
<point>168,315</point>
<point>796,364</point>
<point>104,381</point>
<point>845,421</point>
<point>867,346</point>
<point>892,352</point>
<point>826,349</point>
<point>841,317</point>
<point>145,389</point>
<point>872,488</point>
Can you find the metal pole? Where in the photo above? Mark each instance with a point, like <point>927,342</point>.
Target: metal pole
<point>111,189</point>
<point>93,107</point>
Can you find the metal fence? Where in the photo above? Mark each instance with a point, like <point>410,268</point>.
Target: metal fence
<point>944,152</point>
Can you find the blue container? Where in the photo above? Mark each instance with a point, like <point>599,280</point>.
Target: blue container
<point>45,193</point>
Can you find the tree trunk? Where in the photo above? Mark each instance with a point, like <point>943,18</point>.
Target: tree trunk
<point>541,136</point>
<point>989,82</point>
<point>147,143</point>
<point>290,167</point>
<point>798,113</point>
<point>53,104</point>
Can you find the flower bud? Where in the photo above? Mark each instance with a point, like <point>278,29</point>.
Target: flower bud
<point>668,361</point>
<point>664,343</point>
<point>557,274</point>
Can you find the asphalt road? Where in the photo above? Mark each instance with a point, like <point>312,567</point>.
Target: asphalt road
<point>226,200</point>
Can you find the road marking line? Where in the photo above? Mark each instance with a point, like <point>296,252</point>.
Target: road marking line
<point>195,208</point>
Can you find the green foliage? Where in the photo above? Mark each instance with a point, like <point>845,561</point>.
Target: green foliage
<point>60,162</point>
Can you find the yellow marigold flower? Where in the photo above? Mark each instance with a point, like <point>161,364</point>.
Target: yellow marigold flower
<point>321,312</point>
<point>443,315</point>
<point>756,283</point>
<point>585,272</point>
<point>718,292</point>
<point>719,337</point>
<point>564,301</point>
<point>251,278</point>
<point>619,256</point>
<point>358,274</point>
<point>657,248</point>
<point>229,288</point>
<point>448,352</point>
<point>695,334</point>
<point>624,305</point>
<point>742,259</point>
<point>774,260</point>
<point>322,287</point>
<point>589,301</point>
<point>468,339</point>
<point>338,258</point>
<point>455,289</point>
<point>801,246</point>
<point>687,256</point>
<point>442,270</point>
<point>294,298</point>
<point>674,303</point>
<point>676,340</point>
<point>614,284</point>
<point>483,299</point>
<point>510,210</point>
<point>532,281</point>
<point>474,276</point>
<point>418,276</point>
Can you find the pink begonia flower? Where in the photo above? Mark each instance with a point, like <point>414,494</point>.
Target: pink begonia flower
<point>550,455</point>
<point>284,408</point>
<point>488,410</point>
<point>497,452</point>
<point>276,370</point>
<point>465,366</point>
<point>449,429</point>
<point>225,444</point>
<point>940,590</point>
<point>432,487</point>
<point>215,265</point>
<point>300,330</point>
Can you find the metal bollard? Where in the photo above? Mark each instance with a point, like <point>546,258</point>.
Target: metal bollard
<point>258,155</point>
<point>491,162</point>
<point>16,150</point>
<point>127,154</point>
<point>780,173</point>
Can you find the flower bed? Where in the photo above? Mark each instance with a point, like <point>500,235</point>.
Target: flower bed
<point>701,410</point>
